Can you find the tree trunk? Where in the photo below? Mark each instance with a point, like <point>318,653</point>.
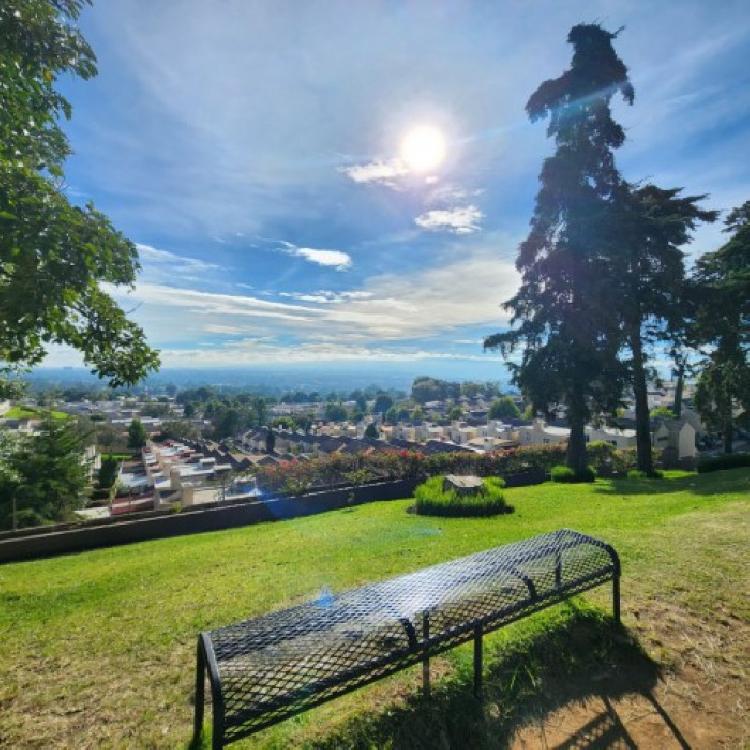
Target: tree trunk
<point>728,437</point>
<point>679,390</point>
<point>577,455</point>
<point>640,392</point>
<point>728,430</point>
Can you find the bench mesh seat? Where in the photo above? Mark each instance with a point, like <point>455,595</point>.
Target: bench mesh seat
<point>268,668</point>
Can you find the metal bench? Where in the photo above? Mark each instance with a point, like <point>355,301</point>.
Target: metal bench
<point>264,670</point>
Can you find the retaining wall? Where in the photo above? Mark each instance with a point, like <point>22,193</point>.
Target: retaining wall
<point>29,545</point>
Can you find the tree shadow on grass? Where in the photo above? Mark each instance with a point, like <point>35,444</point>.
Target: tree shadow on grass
<point>704,485</point>
<point>576,654</point>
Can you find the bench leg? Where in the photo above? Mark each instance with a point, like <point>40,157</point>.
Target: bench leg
<point>200,681</point>
<point>426,659</point>
<point>478,660</point>
<point>616,598</point>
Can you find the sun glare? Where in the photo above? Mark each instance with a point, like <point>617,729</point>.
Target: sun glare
<point>423,148</point>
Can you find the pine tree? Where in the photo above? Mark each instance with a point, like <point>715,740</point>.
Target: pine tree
<point>137,435</point>
<point>49,473</point>
<point>721,291</point>
<point>562,312</point>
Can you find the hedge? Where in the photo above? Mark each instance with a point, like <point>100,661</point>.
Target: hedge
<point>298,476</point>
<point>725,461</point>
<point>432,499</point>
<point>565,475</point>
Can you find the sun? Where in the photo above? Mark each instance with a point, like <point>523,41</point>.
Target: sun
<point>423,148</point>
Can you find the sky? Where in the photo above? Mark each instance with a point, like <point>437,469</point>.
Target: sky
<point>253,151</point>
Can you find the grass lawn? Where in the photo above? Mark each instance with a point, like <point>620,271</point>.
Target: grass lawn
<point>28,412</point>
<point>99,647</point>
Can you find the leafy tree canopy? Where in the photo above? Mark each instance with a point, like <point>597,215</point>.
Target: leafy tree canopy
<point>55,256</point>
<point>504,408</point>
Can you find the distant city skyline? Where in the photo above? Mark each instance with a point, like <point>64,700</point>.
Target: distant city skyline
<point>255,153</point>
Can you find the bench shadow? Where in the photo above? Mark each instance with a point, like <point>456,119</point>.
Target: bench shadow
<point>580,655</point>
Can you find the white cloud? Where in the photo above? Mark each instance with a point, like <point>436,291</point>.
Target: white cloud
<point>152,257</point>
<point>325,297</point>
<point>220,328</point>
<point>337,259</point>
<point>452,194</point>
<point>379,171</point>
<point>459,291</point>
<point>460,220</point>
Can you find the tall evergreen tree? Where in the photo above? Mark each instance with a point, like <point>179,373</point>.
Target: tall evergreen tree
<point>137,435</point>
<point>654,224</point>
<point>562,310</point>
<point>48,474</point>
<point>721,290</point>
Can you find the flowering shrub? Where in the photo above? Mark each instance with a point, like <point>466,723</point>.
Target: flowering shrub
<point>295,477</point>
<point>336,469</point>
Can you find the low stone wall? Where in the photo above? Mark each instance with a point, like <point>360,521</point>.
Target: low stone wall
<point>30,544</point>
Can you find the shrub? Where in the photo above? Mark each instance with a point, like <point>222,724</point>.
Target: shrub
<point>726,461</point>
<point>638,474</point>
<point>566,475</point>
<point>433,500</point>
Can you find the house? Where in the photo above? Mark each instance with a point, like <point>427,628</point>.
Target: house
<point>540,433</point>
<point>678,434</point>
<point>619,437</point>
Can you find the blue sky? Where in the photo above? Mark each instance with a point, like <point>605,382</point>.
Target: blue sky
<point>251,149</point>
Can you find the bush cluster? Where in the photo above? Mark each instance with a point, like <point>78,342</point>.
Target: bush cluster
<point>433,500</point>
<point>726,461</point>
<point>565,475</point>
<point>297,477</point>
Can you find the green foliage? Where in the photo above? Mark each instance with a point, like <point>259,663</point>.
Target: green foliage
<point>562,313</point>
<point>607,460</point>
<point>335,413</point>
<point>455,413</point>
<point>433,500</point>
<point>137,435</point>
<point>55,256</point>
<point>401,464</point>
<point>727,461</point>
<point>504,408</point>
<point>566,475</point>
<point>426,389</point>
<point>662,412</point>
<point>108,471</point>
<point>383,402</point>
<point>46,474</point>
<point>653,225</point>
<point>721,322</point>
<point>177,429</point>
<point>371,431</point>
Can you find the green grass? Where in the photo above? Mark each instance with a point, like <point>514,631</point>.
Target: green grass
<point>30,412</point>
<point>117,456</point>
<point>99,646</point>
